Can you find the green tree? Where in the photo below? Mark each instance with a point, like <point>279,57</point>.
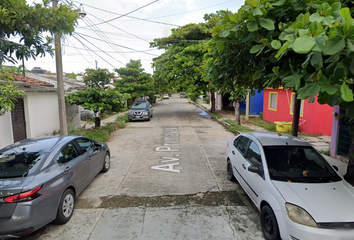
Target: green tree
<point>8,91</point>
<point>135,81</point>
<point>97,78</point>
<point>181,66</point>
<point>30,23</point>
<point>304,45</point>
<point>72,75</point>
<point>97,97</point>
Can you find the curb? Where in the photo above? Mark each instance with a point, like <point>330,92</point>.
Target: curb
<point>222,122</point>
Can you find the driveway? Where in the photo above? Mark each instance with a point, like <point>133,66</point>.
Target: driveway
<point>167,181</point>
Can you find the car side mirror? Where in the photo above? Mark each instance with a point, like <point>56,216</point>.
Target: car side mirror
<point>255,169</point>
<point>335,168</point>
<point>97,146</point>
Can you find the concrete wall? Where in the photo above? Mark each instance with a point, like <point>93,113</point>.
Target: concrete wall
<point>6,136</point>
<point>41,112</point>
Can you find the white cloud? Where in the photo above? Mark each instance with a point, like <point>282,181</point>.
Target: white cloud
<point>131,34</point>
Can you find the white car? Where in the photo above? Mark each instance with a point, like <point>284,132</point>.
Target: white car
<point>299,195</point>
<point>166,96</point>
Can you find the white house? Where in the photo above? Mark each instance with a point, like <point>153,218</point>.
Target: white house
<point>36,113</point>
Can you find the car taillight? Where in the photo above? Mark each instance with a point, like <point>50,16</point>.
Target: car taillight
<point>23,197</point>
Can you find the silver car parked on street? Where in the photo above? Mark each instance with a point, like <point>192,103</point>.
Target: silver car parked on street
<point>41,178</point>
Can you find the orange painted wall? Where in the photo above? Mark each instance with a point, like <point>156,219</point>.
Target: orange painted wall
<point>316,118</point>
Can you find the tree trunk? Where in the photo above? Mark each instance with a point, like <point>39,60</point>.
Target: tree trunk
<point>212,95</point>
<point>349,176</point>
<point>296,116</point>
<point>97,122</point>
<point>237,112</point>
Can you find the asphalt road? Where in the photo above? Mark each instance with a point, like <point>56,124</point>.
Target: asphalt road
<point>167,181</point>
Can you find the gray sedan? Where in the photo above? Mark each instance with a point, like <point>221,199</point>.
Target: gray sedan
<point>41,178</point>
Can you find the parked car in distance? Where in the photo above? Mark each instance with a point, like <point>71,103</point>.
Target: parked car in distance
<point>40,180</point>
<point>169,94</point>
<point>182,95</point>
<point>299,195</point>
<point>140,110</point>
<point>166,96</point>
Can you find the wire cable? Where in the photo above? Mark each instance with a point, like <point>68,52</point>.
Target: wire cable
<point>95,52</point>
<point>127,13</point>
<point>142,19</point>
<point>119,45</point>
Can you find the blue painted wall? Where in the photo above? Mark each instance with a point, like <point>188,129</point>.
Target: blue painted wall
<point>256,104</point>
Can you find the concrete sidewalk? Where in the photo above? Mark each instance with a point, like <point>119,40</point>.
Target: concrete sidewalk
<point>88,125</point>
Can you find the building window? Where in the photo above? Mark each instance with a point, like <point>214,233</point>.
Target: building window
<point>293,99</point>
<point>272,105</point>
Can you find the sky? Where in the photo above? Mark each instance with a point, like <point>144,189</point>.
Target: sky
<point>115,31</point>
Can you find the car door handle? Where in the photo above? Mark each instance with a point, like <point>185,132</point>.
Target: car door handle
<point>244,166</point>
<point>233,152</point>
<point>67,169</point>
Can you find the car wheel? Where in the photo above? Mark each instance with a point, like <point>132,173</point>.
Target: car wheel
<point>66,207</point>
<point>106,163</point>
<point>230,174</point>
<point>269,224</point>
<point>148,119</point>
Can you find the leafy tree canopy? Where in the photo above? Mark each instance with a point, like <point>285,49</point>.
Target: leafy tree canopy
<point>97,78</point>
<point>30,23</point>
<point>181,66</point>
<point>8,91</point>
<point>97,97</point>
<point>135,81</point>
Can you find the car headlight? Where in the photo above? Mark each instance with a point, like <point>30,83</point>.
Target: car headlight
<point>299,215</point>
<point>146,113</point>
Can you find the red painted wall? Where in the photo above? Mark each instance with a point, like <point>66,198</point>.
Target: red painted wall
<point>316,118</point>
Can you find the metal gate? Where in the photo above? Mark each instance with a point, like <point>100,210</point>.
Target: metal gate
<point>18,121</point>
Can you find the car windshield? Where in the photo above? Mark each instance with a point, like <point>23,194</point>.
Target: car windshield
<point>139,105</point>
<point>16,162</point>
<point>298,164</point>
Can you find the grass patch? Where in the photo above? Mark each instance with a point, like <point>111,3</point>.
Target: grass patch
<point>102,134</point>
<point>237,128</point>
<point>325,152</point>
<point>218,115</point>
<point>263,124</point>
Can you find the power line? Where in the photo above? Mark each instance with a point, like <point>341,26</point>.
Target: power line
<point>123,30</point>
<point>142,19</point>
<point>98,48</point>
<point>77,49</point>
<point>127,13</point>
<point>118,45</point>
<point>148,50</point>
<point>100,33</point>
<point>109,41</point>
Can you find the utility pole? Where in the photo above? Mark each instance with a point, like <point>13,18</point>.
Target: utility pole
<point>96,64</point>
<point>60,81</point>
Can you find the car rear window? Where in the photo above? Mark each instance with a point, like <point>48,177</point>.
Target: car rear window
<point>18,162</point>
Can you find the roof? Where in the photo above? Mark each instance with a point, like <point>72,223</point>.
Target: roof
<point>70,84</point>
<point>31,80</point>
<point>276,139</point>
